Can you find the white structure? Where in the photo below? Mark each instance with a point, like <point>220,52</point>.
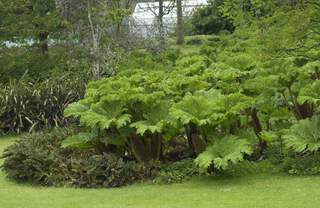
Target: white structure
<point>144,18</point>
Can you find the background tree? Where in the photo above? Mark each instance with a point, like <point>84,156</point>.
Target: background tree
<point>180,28</point>
<point>34,21</point>
<point>159,12</point>
<point>96,24</point>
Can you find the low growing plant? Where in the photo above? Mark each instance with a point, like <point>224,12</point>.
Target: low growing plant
<point>177,172</point>
<point>40,159</point>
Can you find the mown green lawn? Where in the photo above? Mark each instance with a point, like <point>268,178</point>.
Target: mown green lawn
<point>269,191</point>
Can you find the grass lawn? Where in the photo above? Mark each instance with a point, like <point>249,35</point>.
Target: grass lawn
<point>269,191</point>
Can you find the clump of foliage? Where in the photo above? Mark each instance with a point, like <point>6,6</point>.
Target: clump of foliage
<point>31,158</point>
<point>210,20</point>
<point>25,63</point>
<point>143,101</point>
<point>248,167</point>
<point>177,172</point>
<point>302,142</point>
<point>126,112</point>
<point>26,106</point>
<point>39,158</point>
<point>138,111</point>
<point>90,170</point>
<point>301,164</point>
<point>146,60</point>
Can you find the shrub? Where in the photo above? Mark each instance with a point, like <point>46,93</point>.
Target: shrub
<point>209,19</point>
<point>177,172</point>
<point>194,41</point>
<point>32,157</point>
<point>18,62</point>
<point>39,159</point>
<point>276,152</point>
<point>209,51</point>
<point>89,169</point>
<point>142,59</point>
<point>296,164</point>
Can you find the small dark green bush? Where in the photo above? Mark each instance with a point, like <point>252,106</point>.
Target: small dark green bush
<point>32,157</point>
<point>209,51</point>
<point>89,169</point>
<point>210,20</point>
<point>308,164</point>
<point>177,172</point>
<point>194,41</point>
<point>214,39</point>
<point>39,159</point>
<point>27,62</point>
<point>150,61</point>
<point>275,153</point>
<point>171,55</point>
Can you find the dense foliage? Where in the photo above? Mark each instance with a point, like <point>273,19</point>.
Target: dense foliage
<point>210,19</point>
<point>39,159</point>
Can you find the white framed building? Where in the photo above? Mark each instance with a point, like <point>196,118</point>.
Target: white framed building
<point>144,21</point>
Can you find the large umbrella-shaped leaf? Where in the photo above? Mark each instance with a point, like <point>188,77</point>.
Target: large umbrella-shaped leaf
<point>201,108</point>
<point>105,115</point>
<point>304,136</point>
<point>156,118</point>
<point>225,151</point>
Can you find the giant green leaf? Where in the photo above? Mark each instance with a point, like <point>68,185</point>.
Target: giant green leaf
<point>225,151</point>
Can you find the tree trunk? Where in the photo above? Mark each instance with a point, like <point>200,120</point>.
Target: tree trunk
<point>196,143</point>
<point>180,27</point>
<point>95,46</point>
<point>155,146</point>
<point>146,148</point>
<point>43,38</point>
<point>161,26</point>
<point>257,129</point>
<point>306,110</point>
<point>138,148</point>
<point>293,3</point>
